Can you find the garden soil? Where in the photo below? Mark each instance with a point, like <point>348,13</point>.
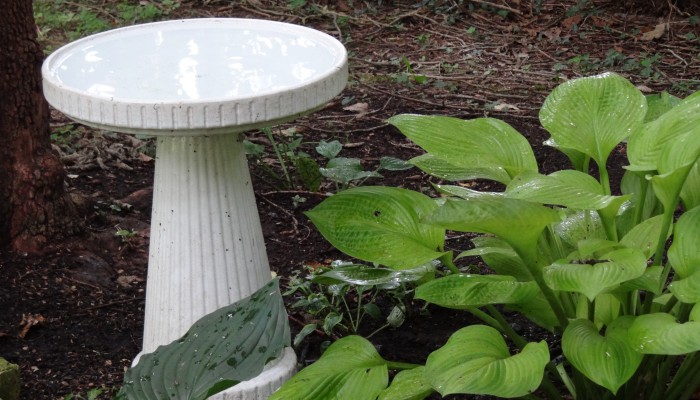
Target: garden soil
<point>72,317</point>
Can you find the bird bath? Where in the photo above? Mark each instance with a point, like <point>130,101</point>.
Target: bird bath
<point>197,84</point>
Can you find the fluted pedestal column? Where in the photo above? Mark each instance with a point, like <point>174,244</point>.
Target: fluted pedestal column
<point>207,249</point>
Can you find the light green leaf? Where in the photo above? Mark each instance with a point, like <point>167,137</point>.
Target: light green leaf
<point>687,290</point>
<point>408,385</point>
<point>607,360</point>
<point>660,333</point>
<point>464,193</point>
<point>463,291</point>
<point>490,144</point>
<point>499,256</point>
<point>579,226</point>
<point>695,313</point>
<point>223,348</point>
<point>649,281</point>
<point>345,170</point>
<point>442,169</point>
<point>476,360</point>
<point>577,158</point>
<point>518,222</point>
<point>350,369</point>
<point>644,147</point>
<point>591,277</point>
<point>566,188</point>
<point>690,194</point>
<point>374,276</point>
<point>380,225</point>
<point>667,186</point>
<point>645,235</point>
<point>658,104</point>
<point>683,253</point>
<point>594,114</point>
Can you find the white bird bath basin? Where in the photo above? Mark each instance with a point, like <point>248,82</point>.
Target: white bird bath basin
<point>197,84</point>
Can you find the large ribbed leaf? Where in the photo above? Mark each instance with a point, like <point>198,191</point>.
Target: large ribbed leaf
<point>660,333</point>
<point>608,360</point>
<point>683,253</point>
<point>499,256</point>
<point>380,225</point>
<point>476,360</point>
<point>591,277</point>
<point>645,235</point>
<point>442,169</point>
<point>594,114</point>
<point>566,188</point>
<point>690,194</point>
<point>464,291</point>
<point>658,104</point>
<point>223,348</point>
<point>649,281</point>
<point>518,222</point>
<point>644,148</point>
<point>408,385</point>
<point>578,226</point>
<point>479,144</point>
<point>350,369</point>
<point>695,313</point>
<point>687,290</point>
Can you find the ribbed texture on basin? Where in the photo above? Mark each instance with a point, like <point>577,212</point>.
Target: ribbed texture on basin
<point>207,249</point>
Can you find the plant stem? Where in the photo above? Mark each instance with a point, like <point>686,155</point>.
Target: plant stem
<point>658,258</point>
<point>485,318</point>
<point>447,260</point>
<point>641,201</point>
<point>276,147</point>
<point>535,269</point>
<point>400,366</point>
<point>604,179</point>
<point>687,379</point>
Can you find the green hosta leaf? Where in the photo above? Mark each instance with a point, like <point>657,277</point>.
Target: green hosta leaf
<point>690,194</point>
<point>644,148</point>
<point>566,188</point>
<point>442,169</point>
<point>465,291</point>
<point>681,153</point>
<point>345,170</point>
<point>660,333</point>
<point>592,115</point>
<point>518,222</point>
<point>591,277</point>
<point>499,256</point>
<point>481,143</point>
<point>464,193</point>
<point>645,236</point>
<point>380,225</point>
<point>695,313</point>
<point>331,321</point>
<point>577,158</point>
<point>329,149</point>
<point>350,369</point>
<point>649,281</point>
<point>374,276</point>
<point>223,348</point>
<point>667,187</point>
<point>394,164</point>
<point>408,385</point>
<point>607,360</point>
<point>476,360</point>
<point>658,104</point>
<point>537,310</point>
<point>303,333</point>
<point>683,253</point>
<point>687,290</point>
<point>578,226</point>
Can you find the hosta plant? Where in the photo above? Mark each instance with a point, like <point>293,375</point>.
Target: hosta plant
<point>615,274</point>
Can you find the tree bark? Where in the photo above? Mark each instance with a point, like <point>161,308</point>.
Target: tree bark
<point>34,206</point>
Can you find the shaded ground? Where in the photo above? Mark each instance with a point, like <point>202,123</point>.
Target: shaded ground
<point>72,317</point>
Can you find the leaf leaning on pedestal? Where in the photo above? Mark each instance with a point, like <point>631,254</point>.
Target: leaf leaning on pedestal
<point>350,369</point>
<point>223,348</point>
<point>608,360</point>
<point>660,333</point>
<point>481,143</point>
<point>465,291</point>
<point>594,114</point>
<point>381,225</point>
<point>476,360</point>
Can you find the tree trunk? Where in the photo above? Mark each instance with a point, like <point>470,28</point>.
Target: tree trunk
<point>34,206</point>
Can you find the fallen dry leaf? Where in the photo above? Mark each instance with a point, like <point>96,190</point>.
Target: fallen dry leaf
<point>29,320</point>
<point>126,280</point>
<point>360,108</point>
<point>655,33</point>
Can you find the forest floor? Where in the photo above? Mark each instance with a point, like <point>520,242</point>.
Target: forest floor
<point>72,317</point>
